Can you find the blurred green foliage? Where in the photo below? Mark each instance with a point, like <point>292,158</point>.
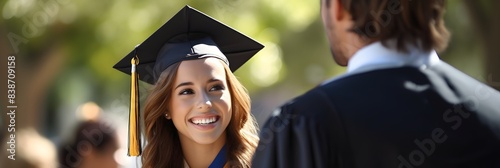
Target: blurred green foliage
<point>89,37</point>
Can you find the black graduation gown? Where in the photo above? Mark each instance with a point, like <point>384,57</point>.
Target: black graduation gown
<point>400,117</point>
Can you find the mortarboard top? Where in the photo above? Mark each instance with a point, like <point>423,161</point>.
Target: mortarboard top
<point>180,38</point>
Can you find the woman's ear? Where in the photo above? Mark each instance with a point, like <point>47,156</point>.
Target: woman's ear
<point>242,119</point>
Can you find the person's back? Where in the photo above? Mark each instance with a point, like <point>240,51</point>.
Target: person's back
<point>407,117</point>
<point>392,109</point>
<point>403,117</point>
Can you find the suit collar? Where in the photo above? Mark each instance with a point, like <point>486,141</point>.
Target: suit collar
<point>377,56</point>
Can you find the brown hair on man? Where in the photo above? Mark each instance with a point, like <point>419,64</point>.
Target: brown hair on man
<point>408,21</point>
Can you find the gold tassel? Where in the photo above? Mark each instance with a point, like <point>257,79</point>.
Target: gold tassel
<point>134,141</point>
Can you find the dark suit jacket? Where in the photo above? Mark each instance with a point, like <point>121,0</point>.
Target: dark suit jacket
<point>400,117</point>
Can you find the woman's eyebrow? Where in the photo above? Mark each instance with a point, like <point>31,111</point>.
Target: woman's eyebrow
<point>191,83</point>
<point>213,80</point>
<point>184,84</point>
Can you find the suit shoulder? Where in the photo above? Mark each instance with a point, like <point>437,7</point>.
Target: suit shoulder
<point>311,103</point>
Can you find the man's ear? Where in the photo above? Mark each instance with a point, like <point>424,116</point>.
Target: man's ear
<point>338,9</point>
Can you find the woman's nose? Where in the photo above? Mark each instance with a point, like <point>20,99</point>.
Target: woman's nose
<point>204,103</point>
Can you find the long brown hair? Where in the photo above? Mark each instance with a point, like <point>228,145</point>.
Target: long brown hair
<point>407,21</point>
<point>163,148</point>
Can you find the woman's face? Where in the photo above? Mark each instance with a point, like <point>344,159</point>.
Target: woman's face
<point>200,105</point>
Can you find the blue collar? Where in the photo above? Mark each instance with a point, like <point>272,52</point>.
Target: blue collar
<point>220,159</point>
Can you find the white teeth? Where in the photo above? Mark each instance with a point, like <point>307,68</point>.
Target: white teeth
<point>204,121</point>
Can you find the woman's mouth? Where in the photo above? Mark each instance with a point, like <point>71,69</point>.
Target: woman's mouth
<point>204,120</point>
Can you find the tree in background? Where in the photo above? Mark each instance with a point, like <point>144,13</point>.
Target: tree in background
<point>485,19</point>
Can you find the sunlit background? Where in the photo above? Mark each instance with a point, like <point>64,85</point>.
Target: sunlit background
<point>65,50</point>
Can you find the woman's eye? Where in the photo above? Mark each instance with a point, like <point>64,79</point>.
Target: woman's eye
<point>186,92</point>
<point>217,87</point>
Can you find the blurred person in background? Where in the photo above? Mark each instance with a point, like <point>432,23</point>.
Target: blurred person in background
<point>92,145</point>
<point>32,151</point>
<point>398,105</point>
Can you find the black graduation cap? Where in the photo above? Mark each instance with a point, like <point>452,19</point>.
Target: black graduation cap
<point>188,35</point>
<point>192,24</point>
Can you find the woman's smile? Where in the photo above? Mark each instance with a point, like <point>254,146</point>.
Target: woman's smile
<point>205,123</point>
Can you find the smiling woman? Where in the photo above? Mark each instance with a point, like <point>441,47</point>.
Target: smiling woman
<point>201,103</point>
<point>198,113</point>
<point>196,108</point>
